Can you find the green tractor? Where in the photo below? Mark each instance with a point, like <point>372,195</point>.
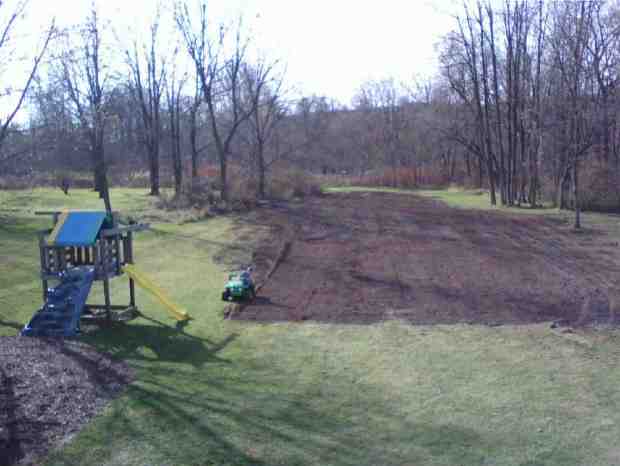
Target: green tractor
<point>240,286</point>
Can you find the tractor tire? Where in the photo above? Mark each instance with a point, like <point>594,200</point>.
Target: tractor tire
<point>225,295</point>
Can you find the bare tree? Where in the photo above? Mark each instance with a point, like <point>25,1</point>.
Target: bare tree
<point>573,32</point>
<point>219,66</point>
<point>460,68</point>
<point>85,78</point>
<point>536,85</point>
<point>384,103</point>
<point>194,126</point>
<point>15,96</point>
<point>147,86</point>
<point>174,89</point>
<point>495,80</point>
<point>309,136</point>
<point>265,93</point>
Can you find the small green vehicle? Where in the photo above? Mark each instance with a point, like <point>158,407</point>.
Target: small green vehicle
<point>240,286</point>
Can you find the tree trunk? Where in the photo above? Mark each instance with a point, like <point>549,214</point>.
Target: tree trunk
<point>491,182</point>
<point>260,158</point>
<point>562,188</point>
<point>223,177</point>
<point>576,194</point>
<point>498,112</point>
<point>178,178</point>
<point>536,156</point>
<point>100,173</point>
<point>193,137</point>
<point>178,162</point>
<point>452,167</point>
<point>95,155</point>
<point>154,170</point>
<point>468,165</point>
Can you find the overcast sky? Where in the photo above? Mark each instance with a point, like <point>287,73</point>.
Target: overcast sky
<point>330,46</point>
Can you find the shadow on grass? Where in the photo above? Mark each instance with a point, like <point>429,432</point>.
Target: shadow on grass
<point>188,405</point>
<point>13,325</point>
<point>157,342</point>
<point>177,416</point>
<point>251,415</point>
<point>196,407</point>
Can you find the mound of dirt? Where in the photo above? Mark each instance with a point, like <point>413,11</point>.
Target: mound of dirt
<point>49,389</point>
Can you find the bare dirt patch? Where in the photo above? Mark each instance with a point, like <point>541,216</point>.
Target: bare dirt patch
<point>367,257</point>
<point>49,389</point>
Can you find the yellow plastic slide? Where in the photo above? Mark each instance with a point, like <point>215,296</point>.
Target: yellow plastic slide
<point>149,285</point>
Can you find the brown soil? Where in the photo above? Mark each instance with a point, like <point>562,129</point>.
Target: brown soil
<point>368,257</point>
<point>49,389</point>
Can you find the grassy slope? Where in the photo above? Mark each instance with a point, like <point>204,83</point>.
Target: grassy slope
<point>228,393</point>
<point>465,199</point>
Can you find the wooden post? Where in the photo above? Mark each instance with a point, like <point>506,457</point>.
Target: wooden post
<point>132,293</point>
<point>129,252</point>
<point>129,259</point>
<point>44,283</point>
<point>101,254</point>
<point>117,257</point>
<point>106,295</point>
<point>60,259</point>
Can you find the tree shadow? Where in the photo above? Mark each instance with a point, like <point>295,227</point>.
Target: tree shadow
<point>243,422</point>
<point>13,325</point>
<point>36,390</point>
<point>254,415</point>
<point>157,342</point>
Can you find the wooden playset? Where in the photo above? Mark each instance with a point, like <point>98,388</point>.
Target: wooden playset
<point>83,247</point>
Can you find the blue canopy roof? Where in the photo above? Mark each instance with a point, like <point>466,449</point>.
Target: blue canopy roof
<point>77,229</point>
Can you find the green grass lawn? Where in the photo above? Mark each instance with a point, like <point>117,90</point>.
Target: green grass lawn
<point>455,197</point>
<point>229,393</point>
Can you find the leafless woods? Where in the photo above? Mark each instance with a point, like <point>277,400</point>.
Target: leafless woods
<point>524,104</point>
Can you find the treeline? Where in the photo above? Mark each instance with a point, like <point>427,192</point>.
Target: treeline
<point>198,93</point>
<point>535,86</point>
<point>524,104</point>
